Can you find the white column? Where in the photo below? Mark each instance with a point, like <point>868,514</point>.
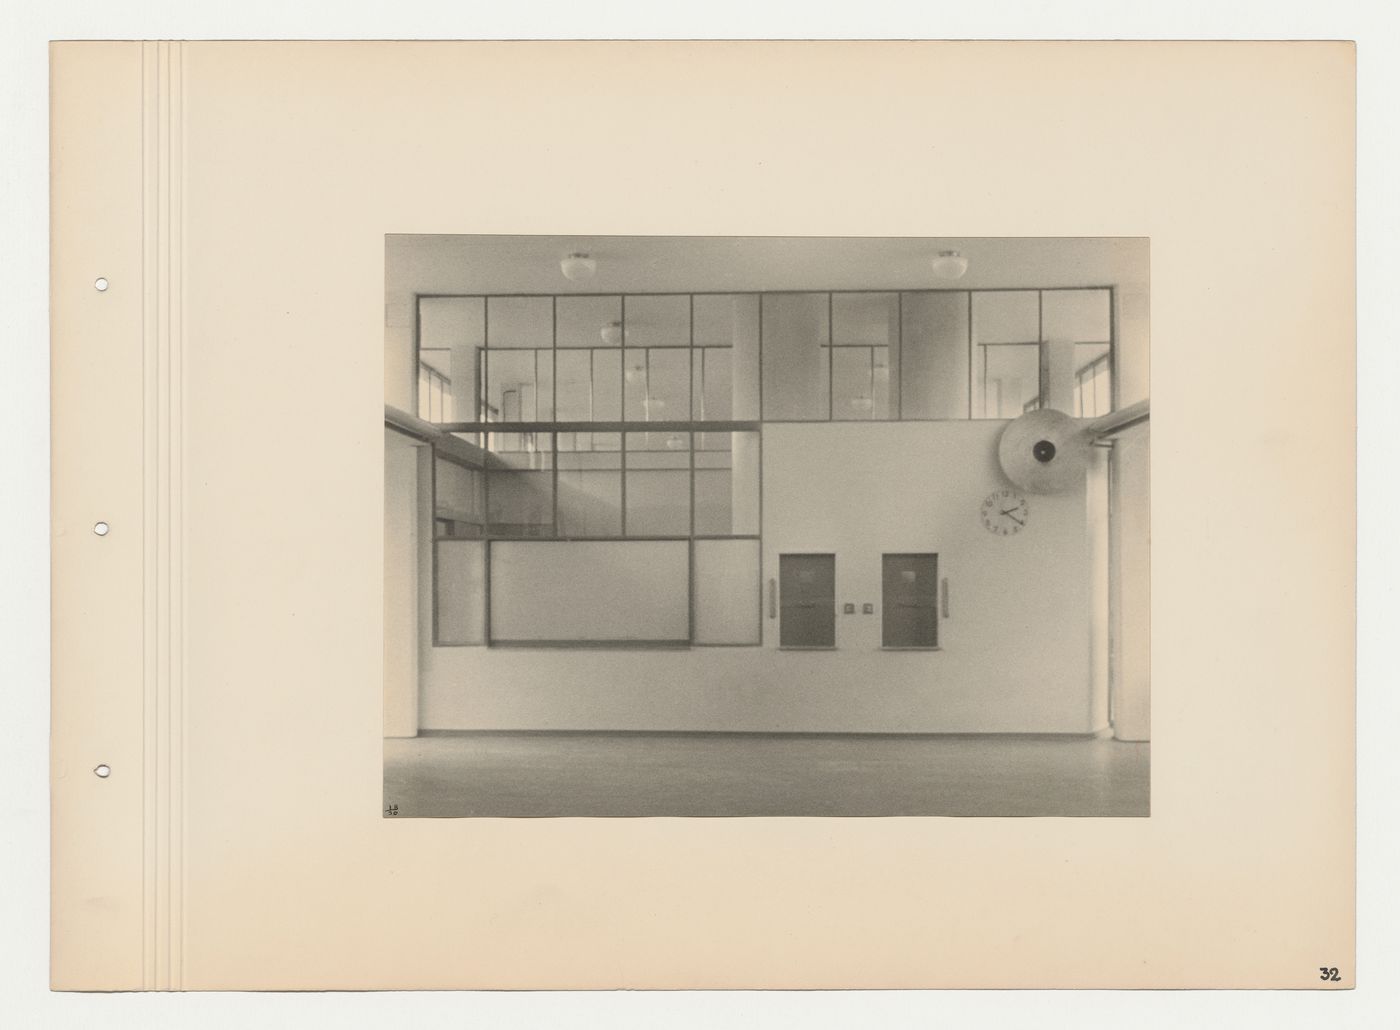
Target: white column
<point>401,585</point>
<point>745,492</point>
<point>1096,509</point>
<point>1132,592</point>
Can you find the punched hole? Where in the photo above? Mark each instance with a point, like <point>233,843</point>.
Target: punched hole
<point>101,529</point>
<point>103,771</point>
<point>101,285</point>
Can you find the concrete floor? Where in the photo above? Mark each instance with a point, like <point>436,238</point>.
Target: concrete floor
<point>749,774</point>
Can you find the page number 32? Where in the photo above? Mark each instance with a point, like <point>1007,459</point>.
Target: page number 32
<point>1329,973</point>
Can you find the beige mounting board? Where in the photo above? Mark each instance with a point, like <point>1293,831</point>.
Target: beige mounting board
<point>219,649</point>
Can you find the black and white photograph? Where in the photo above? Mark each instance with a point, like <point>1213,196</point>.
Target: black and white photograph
<point>766,526</point>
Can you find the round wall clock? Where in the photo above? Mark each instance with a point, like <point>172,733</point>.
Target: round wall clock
<point>1005,513</point>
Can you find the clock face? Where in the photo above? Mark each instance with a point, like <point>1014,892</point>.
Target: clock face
<point>1005,513</point>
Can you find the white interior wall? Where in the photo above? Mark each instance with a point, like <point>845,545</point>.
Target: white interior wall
<point>401,583</point>
<point>1018,631</point>
<point>1015,653</point>
<point>400,374</point>
<point>745,482</point>
<point>727,601</point>
<point>424,547</point>
<point>1133,586</point>
<point>1096,504</point>
<point>1132,504</point>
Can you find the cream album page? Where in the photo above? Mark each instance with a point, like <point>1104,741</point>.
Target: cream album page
<point>703,515</point>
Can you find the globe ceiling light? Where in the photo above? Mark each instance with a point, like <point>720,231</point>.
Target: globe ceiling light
<point>611,333</point>
<point>949,265</point>
<point>578,267</point>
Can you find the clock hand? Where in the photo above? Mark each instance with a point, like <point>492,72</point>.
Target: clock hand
<point>1013,518</point>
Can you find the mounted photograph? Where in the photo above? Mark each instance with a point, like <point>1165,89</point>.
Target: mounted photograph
<point>766,526</point>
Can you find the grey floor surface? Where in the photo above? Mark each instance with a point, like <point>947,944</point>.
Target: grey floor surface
<point>741,774</point>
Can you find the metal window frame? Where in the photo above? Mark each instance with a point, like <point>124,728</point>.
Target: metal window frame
<point>894,401</point>
<point>970,293</point>
<point>893,408</point>
<point>572,294</point>
<point>693,425</point>
<point>489,535</point>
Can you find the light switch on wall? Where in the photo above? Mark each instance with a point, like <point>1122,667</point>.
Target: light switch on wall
<point>868,609</point>
<point>850,609</point>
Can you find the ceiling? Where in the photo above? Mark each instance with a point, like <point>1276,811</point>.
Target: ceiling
<point>641,264</point>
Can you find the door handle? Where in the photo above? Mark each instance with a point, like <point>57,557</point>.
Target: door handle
<point>945,597</point>
<point>772,598</point>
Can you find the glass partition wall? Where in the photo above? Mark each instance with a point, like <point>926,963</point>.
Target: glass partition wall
<point>774,357</point>
<point>628,426</point>
<point>497,494</point>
